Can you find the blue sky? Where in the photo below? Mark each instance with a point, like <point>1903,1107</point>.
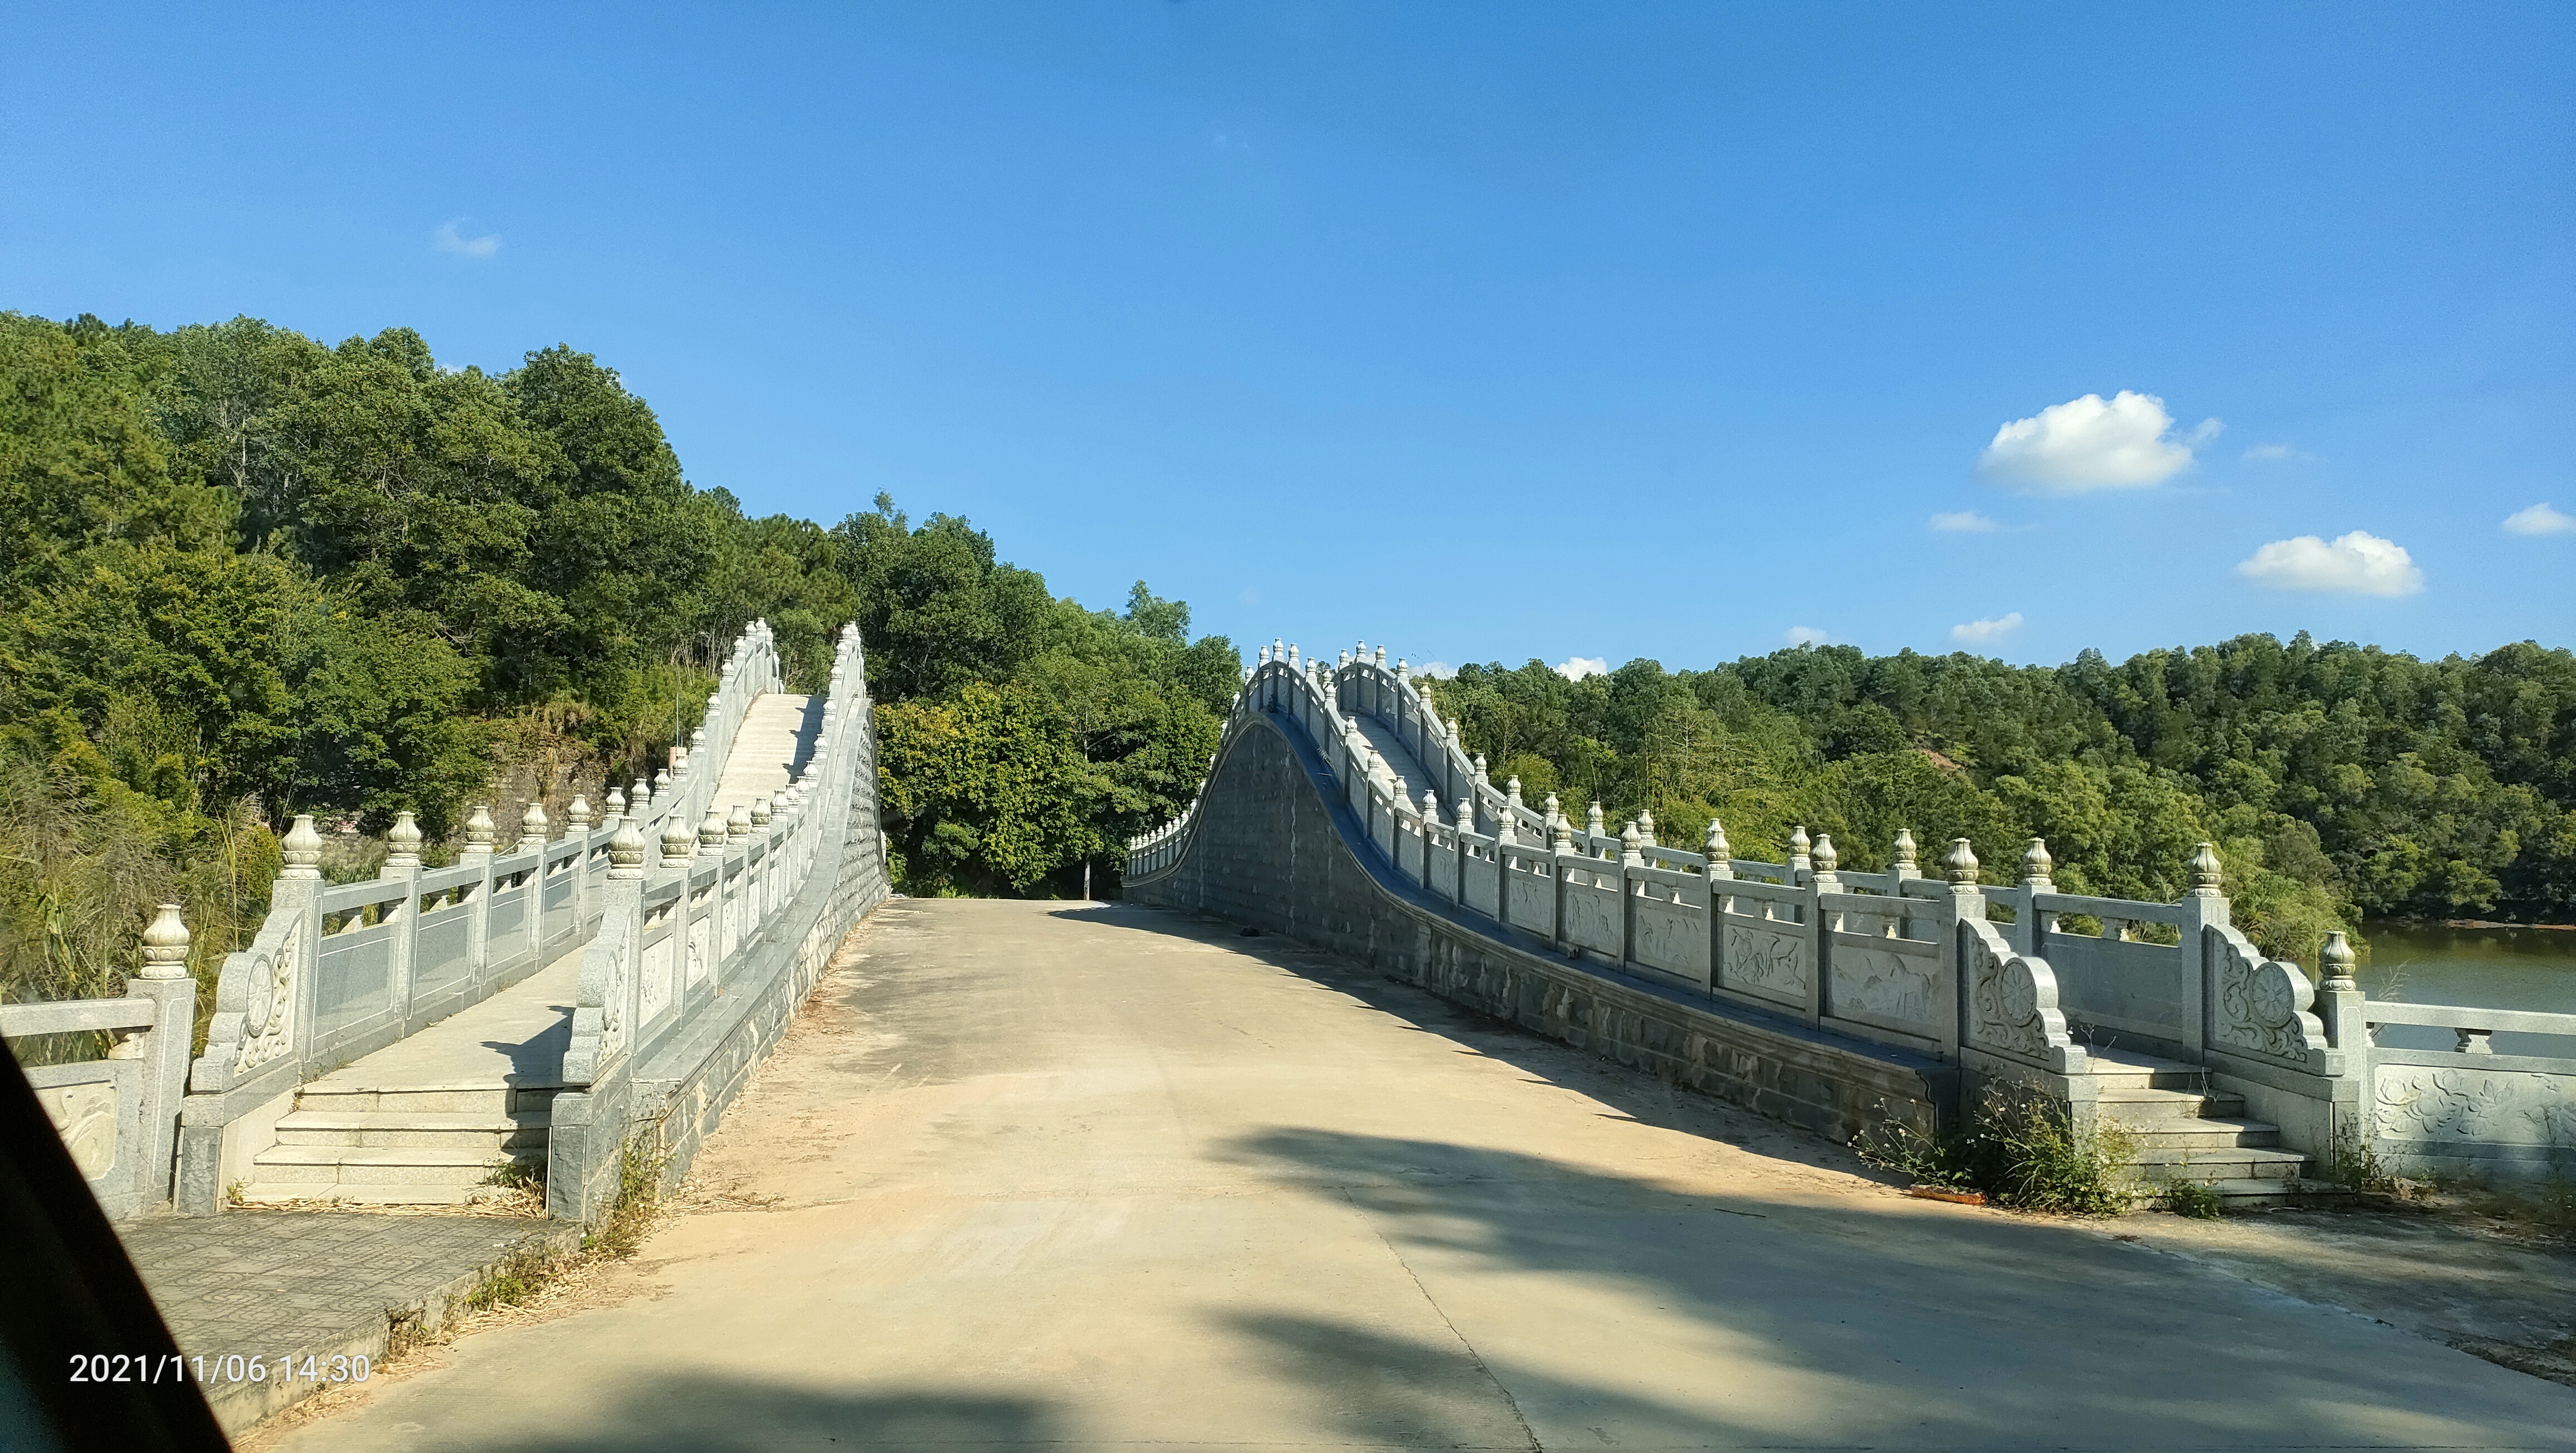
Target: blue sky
<point>1489,333</point>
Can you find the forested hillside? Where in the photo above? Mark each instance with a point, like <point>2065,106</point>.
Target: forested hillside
<point>245,574</point>
<point>2338,780</point>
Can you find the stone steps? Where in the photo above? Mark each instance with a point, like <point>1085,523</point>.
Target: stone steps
<point>378,1144</point>
<point>452,1167</point>
<point>283,1193</point>
<point>2183,1132</point>
<point>2143,1105</point>
<point>503,1134</point>
<point>2209,1132</point>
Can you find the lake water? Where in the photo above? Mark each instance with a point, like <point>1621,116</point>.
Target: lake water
<point>2492,968</point>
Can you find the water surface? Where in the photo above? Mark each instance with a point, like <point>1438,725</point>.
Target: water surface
<point>2492,968</point>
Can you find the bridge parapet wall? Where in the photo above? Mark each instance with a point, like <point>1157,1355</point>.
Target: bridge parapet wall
<point>2016,980</point>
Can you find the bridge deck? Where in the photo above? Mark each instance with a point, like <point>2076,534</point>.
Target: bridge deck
<point>773,743</point>
<point>1046,1175</point>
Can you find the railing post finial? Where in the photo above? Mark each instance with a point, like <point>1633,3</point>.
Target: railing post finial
<point>301,849</point>
<point>2337,961</point>
<point>165,945</point>
<point>2206,874</point>
<point>1961,865</point>
<point>2037,866</point>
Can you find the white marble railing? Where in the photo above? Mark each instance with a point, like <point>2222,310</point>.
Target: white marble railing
<point>671,934</point>
<point>1961,970</point>
<point>338,970</point>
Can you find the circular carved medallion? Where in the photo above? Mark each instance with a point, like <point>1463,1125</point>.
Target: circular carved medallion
<point>2021,994</point>
<point>2274,999</point>
<point>262,986</point>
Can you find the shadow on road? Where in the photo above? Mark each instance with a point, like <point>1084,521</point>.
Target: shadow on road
<point>701,1414</point>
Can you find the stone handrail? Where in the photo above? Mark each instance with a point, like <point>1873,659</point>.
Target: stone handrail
<point>119,1114</point>
<point>1889,958</point>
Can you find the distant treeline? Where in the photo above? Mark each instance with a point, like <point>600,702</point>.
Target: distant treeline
<point>245,574</point>
<point>2337,780</point>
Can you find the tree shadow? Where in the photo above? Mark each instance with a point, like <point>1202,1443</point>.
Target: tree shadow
<point>1618,1311</point>
<point>698,1413</point>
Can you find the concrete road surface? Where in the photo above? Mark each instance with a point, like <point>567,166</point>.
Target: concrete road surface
<point>1052,1176</point>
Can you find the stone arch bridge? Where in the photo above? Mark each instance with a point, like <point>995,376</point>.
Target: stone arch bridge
<point>1355,1125</point>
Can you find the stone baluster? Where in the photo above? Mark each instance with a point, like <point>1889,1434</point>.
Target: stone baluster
<point>737,823</point>
<point>1800,864</point>
<point>1632,846</point>
<point>1823,881</point>
<point>534,830</point>
<point>1721,854</point>
<point>577,827</point>
<point>1646,827</point>
<point>711,834</point>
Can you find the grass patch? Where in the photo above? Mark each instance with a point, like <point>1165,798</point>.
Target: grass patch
<point>2190,1198</point>
<point>2353,1165</point>
<point>2021,1148</point>
<point>639,1192</point>
<point>513,1279</point>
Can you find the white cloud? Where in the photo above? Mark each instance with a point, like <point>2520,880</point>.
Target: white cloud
<point>1808,636</point>
<point>1436,670</point>
<point>2357,564</point>
<point>2265,452</point>
<point>1977,633</point>
<point>451,240</point>
<point>1578,667</point>
<point>2086,444</point>
<point>1250,596</point>
<point>1964,522</point>
<point>2539,520</point>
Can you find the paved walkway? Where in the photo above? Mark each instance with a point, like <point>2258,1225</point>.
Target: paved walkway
<point>317,1284</point>
<point>1051,1176</point>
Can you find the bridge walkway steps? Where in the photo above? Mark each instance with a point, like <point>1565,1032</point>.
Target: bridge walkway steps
<point>428,1119</point>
